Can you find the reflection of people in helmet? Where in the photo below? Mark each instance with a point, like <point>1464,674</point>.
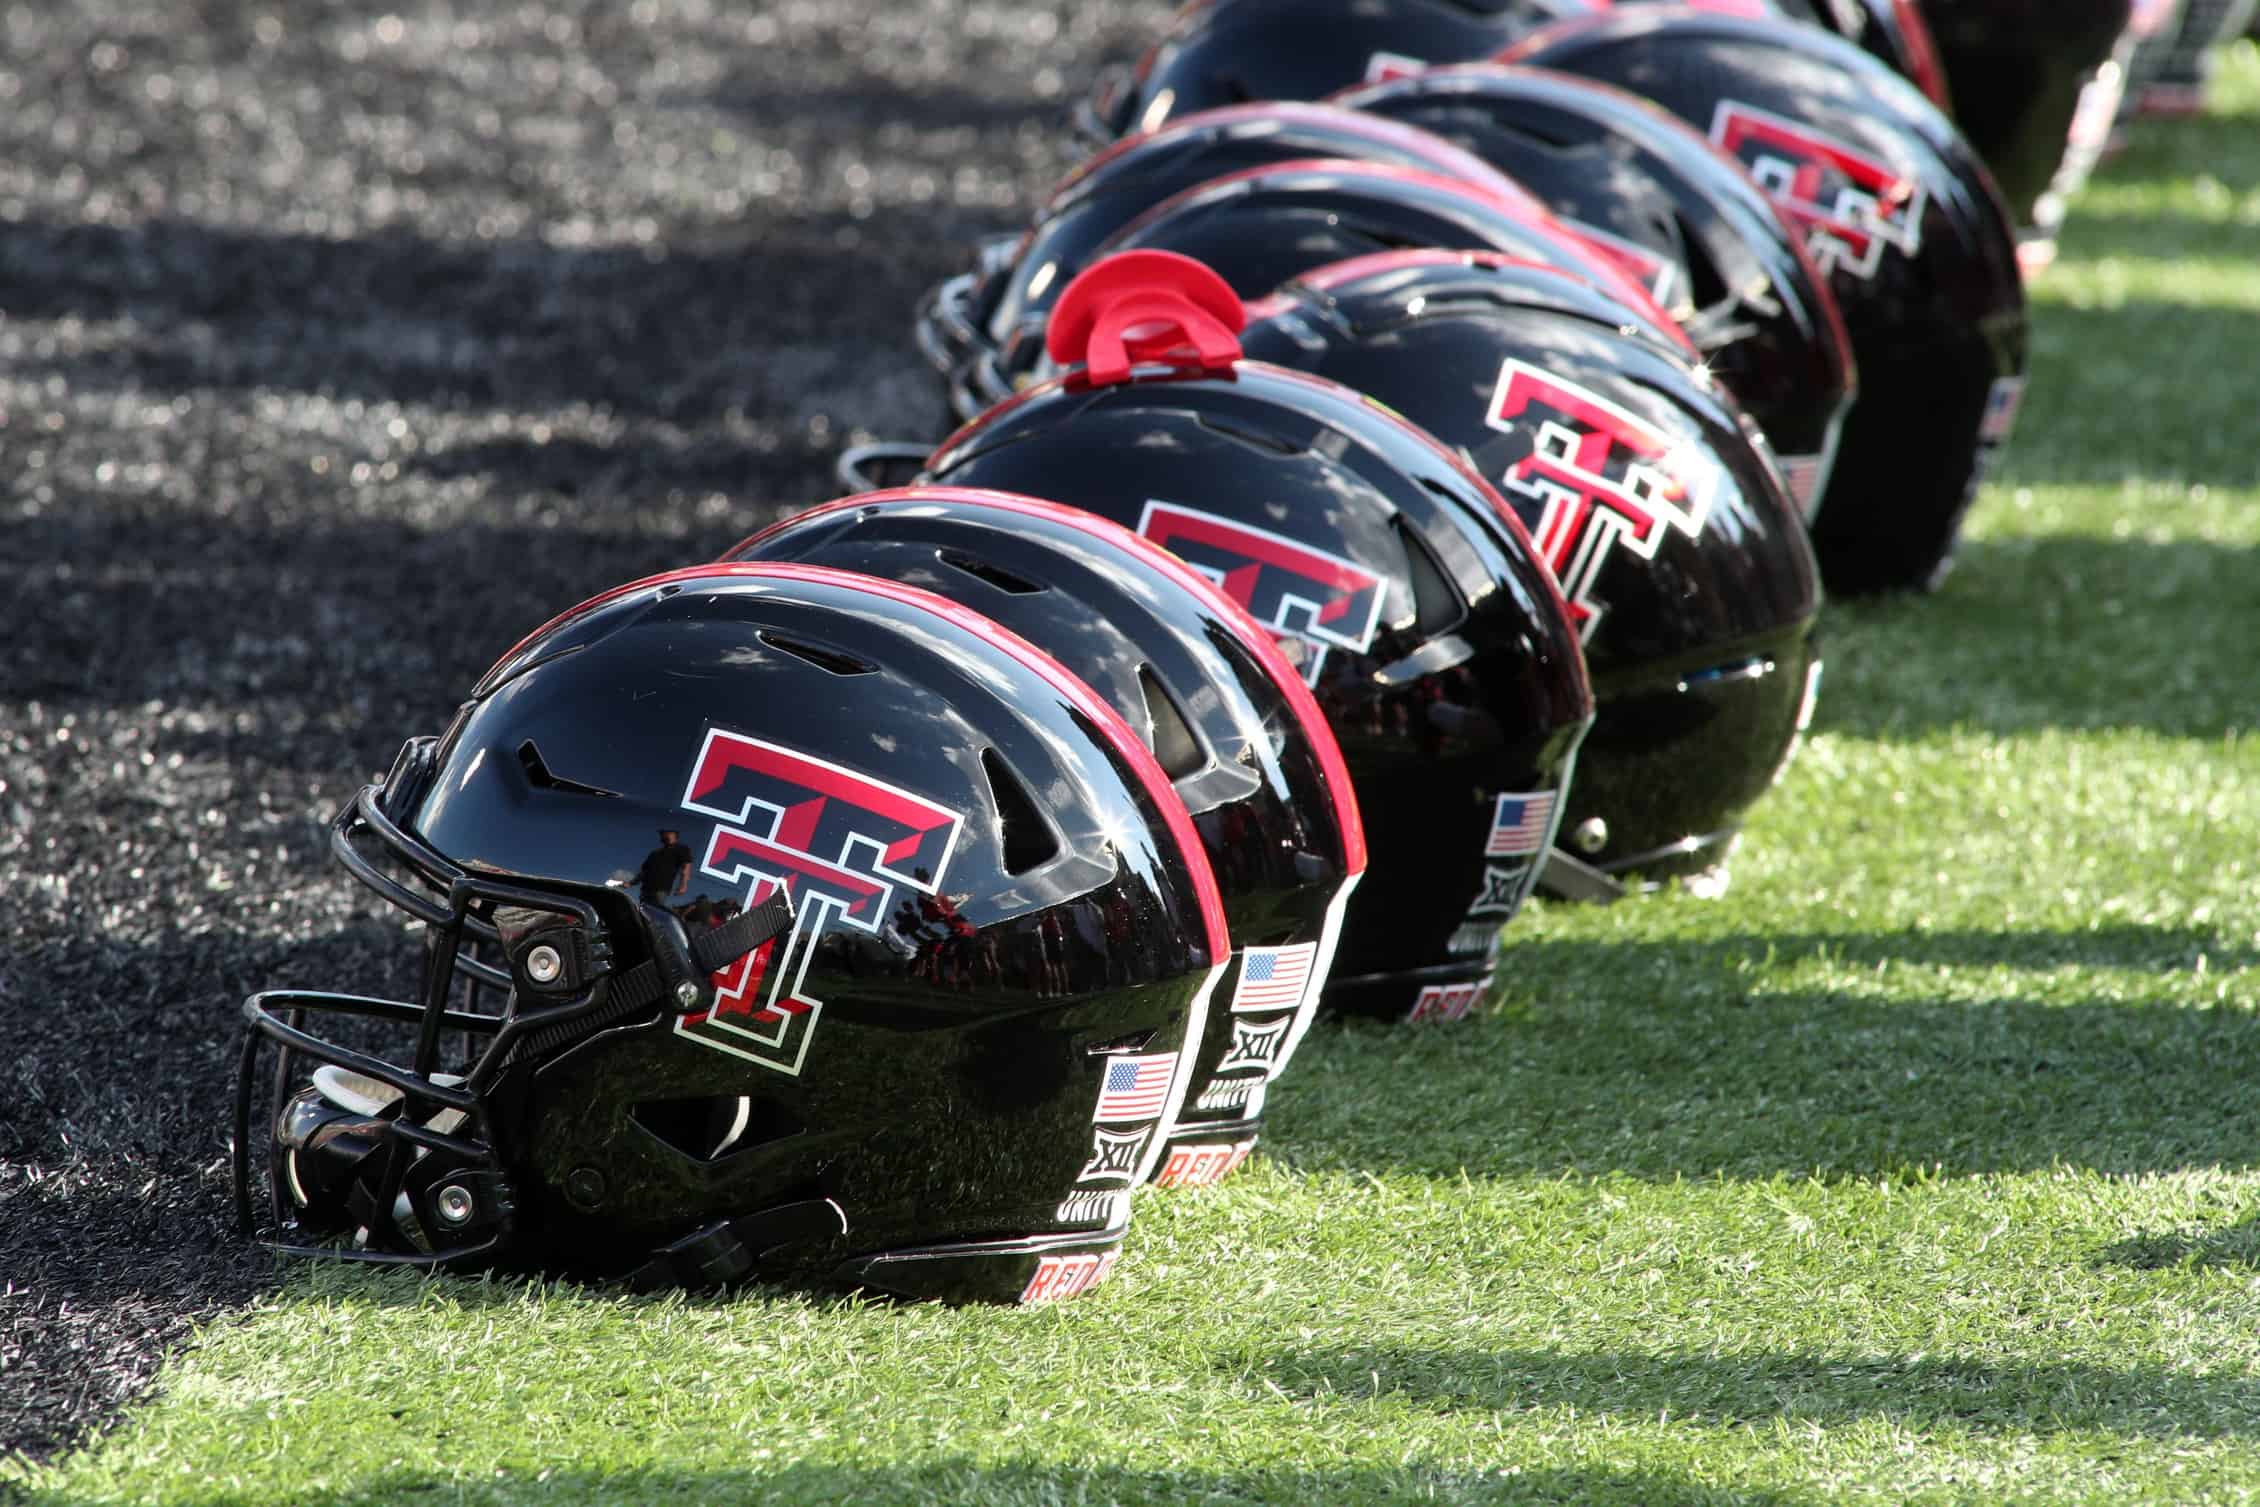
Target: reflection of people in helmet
<point>666,869</point>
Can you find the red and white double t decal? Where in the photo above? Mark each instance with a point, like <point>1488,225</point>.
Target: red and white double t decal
<point>1851,207</point>
<point>837,841</point>
<point>1598,476</point>
<point>1306,596</point>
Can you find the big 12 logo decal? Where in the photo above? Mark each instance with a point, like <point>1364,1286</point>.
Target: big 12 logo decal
<point>1298,592</point>
<point>1852,208</point>
<point>1599,476</point>
<point>837,841</point>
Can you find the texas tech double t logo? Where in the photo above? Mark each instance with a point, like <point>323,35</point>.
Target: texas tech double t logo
<point>1598,476</point>
<point>1851,207</point>
<point>1296,591</point>
<point>838,842</point>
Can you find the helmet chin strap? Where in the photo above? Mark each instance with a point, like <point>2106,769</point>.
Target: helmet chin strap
<point>1568,877</point>
<point>731,1249</point>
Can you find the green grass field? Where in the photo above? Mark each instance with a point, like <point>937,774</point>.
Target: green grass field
<point>1924,1166</point>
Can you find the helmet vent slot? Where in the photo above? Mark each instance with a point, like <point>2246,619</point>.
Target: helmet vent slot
<point>1002,579</point>
<point>1176,749</point>
<point>1027,839</point>
<point>718,1125</point>
<point>831,661</point>
<point>541,777</point>
<point>1706,284</point>
<point>1277,444</point>
<point>1436,606</point>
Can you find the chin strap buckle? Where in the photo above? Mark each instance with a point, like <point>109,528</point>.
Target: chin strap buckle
<point>730,1250</point>
<point>1146,306</point>
<point>1568,877</point>
<point>708,952</point>
<point>689,961</point>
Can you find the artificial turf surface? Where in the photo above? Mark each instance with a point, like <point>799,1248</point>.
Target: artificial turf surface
<point>1919,1167</point>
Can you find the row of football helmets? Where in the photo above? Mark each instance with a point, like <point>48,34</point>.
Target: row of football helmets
<point>1437,481</point>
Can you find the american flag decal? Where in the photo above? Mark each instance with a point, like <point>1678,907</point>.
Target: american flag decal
<point>1803,475</point>
<point>1136,1088</point>
<point>1520,825</point>
<point>1273,978</point>
<point>2001,404</point>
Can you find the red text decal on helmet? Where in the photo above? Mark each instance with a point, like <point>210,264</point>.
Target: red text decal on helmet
<point>1288,587</point>
<point>1603,477</point>
<point>837,841</point>
<point>1852,207</point>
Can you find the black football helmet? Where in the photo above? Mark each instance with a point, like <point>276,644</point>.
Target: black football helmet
<point>1406,589</point>
<point>1679,215</point>
<point>1903,220</point>
<point>1233,52</point>
<point>1227,716</point>
<point>967,319</point>
<point>1260,226</point>
<point>2036,87</point>
<point>1683,558</point>
<point>901,997</point>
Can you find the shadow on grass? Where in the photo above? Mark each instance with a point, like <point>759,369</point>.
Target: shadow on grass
<point>2053,631</point>
<point>1795,1391</point>
<point>1664,1060</point>
<point>2235,1248</point>
<point>961,1481</point>
<point>116,1226</point>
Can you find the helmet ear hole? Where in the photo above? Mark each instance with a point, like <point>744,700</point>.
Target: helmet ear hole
<point>1436,606</point>
<point>1027,839</point>
<point>1707,286</point>
<point>708,1128</point>
<point>1176,749</point>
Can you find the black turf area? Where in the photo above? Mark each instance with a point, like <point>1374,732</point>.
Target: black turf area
<point>340,344</point>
